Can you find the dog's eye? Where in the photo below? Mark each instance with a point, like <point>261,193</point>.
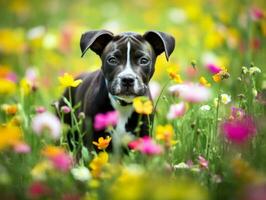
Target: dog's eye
<point>144,61</point>
<point>112,60</point>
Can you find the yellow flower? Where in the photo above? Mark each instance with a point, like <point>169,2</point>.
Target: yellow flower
<point>223,74</point>
<point>142,105</point>
<point>102,143</point>
<point>165,134</point>
<point>98,163</point>
<point>40,169</point>
<point>173,73</point>
<point>25,87</point>
<point>204,82</point>
<point>9,135</point>
<point>10,109</point>
<point>52,151</point>
<point>11,41</point>
<point>7,87</point>
<point>68,81</point>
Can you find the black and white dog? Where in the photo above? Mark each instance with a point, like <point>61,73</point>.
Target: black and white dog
<point>128,61</point>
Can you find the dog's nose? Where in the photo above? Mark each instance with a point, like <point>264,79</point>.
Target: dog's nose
<point>127,81</point>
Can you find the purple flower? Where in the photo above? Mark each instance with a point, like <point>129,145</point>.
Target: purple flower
<point>214,69</point>
<point>239,130</point>
<point>102,121</point>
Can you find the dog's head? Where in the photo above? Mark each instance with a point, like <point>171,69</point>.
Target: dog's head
<point>128,59</point>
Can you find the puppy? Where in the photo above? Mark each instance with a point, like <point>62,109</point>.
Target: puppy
<point>128,62</point>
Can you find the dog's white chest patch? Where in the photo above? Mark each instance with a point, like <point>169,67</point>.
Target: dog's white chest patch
<point>124,114</point>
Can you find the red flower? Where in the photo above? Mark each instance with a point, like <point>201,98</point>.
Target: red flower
<point>38,189</point>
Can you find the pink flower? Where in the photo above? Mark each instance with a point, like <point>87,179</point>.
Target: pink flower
<point>102,121</point>
<point>12,77</point>
<point>155,89</point>
<point>146,145</point>
<point>256,14</point>
<point>40,109</point>
<point>214,69</point>
<point>22,148</point>
<point>239,130</point>
<point>62,161</point>
<point>46,122</point>
<point>177,110</point>
<point>65,109</point>
<point>38,189</point>
<point>203,163</point>
<point>191,92</point>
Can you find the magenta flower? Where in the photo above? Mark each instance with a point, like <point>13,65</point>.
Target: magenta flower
<point>65,109</point>
<point>38,189</point>
<point>40,109</point>
<point>177,110</point>
<point>203,163</point>
<point>146,145</point>
<point>239,130</point>
<point>62,161</point>
<point>191,92</point>
<point>214,69</point>
<point>256,14</point>
<point>102,121</point>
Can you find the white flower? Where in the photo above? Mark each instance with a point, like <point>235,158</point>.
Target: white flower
<point>177,15</point>
<point>181,165</point>
<point>81,173</point>
<point>36,32</point>
<point>155,89</point>
<point>46,121</point>
<point>205,108</point>
<point>225,98</point>
<point>177,110</point>
<point>244,70</point>
<point>254,70</point>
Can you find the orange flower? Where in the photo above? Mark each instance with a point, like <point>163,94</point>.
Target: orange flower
<point>223,74</point>
<point>142,105</point>
<point>52,151</point>
<point>9,136</point>
<point>10,109</point>
<point>173,73</point>
<point>102,143</point>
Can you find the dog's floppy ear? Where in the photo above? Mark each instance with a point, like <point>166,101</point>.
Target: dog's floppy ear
<point>95,40</point>
<point>161,42</point>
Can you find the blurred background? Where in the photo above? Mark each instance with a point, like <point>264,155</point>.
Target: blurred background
<point>42,37</point>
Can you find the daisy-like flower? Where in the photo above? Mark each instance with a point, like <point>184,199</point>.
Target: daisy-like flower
<point>81,173</point>
<point>46,122</point>
<point>105,120</point>
<point>68,81</point>
<point>191,92</point>
<point>177,110</point>
<point>142,105</point>
<point>225,98</point>
<point>102,143</point>
<point>165,134</point>
<point>204,82</point>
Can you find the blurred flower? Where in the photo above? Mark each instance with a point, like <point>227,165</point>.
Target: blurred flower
<point>9,136</point>
<point>59,158</point>
<point>191,92</point>
<point>50,41</point>
<point>98,163</point>
<point>225,98</point>
<point>36,32</point>
<point>244,70</point>
<point>177,110</point>
<point>46,122</point>
<point>204,82</point>
<point>177,15</point>
<point>146,145</point>
<point>155,89</point>
<point>40,109</point>
<point>65,109</point>
<point>203,163</point>
<point>102,121</point>
<point>7,87</point>
<point>223,74</point>
<point>142,105</point>
<point>214,69</point>
<point>25,86</point>
<point>102,143</point>
<point>205,108</point>
<point>256,14</point>
<point>165,134</point>
<point>181,165</point>
<point>68,81</point>
<point>11,40</point>
<point>22,148</point>
<point>239,130</point>
<point>38,172</point>
<point>254,70</point>
<point>38,189</point>
<point>254,191</point>
<point>237,113</point>
<point>81,173</point>
<point>11,109</point>
<point>173,73</point>
<point>6,73</point>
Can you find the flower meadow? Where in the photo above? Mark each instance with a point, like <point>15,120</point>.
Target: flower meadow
<point>208,139</point>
